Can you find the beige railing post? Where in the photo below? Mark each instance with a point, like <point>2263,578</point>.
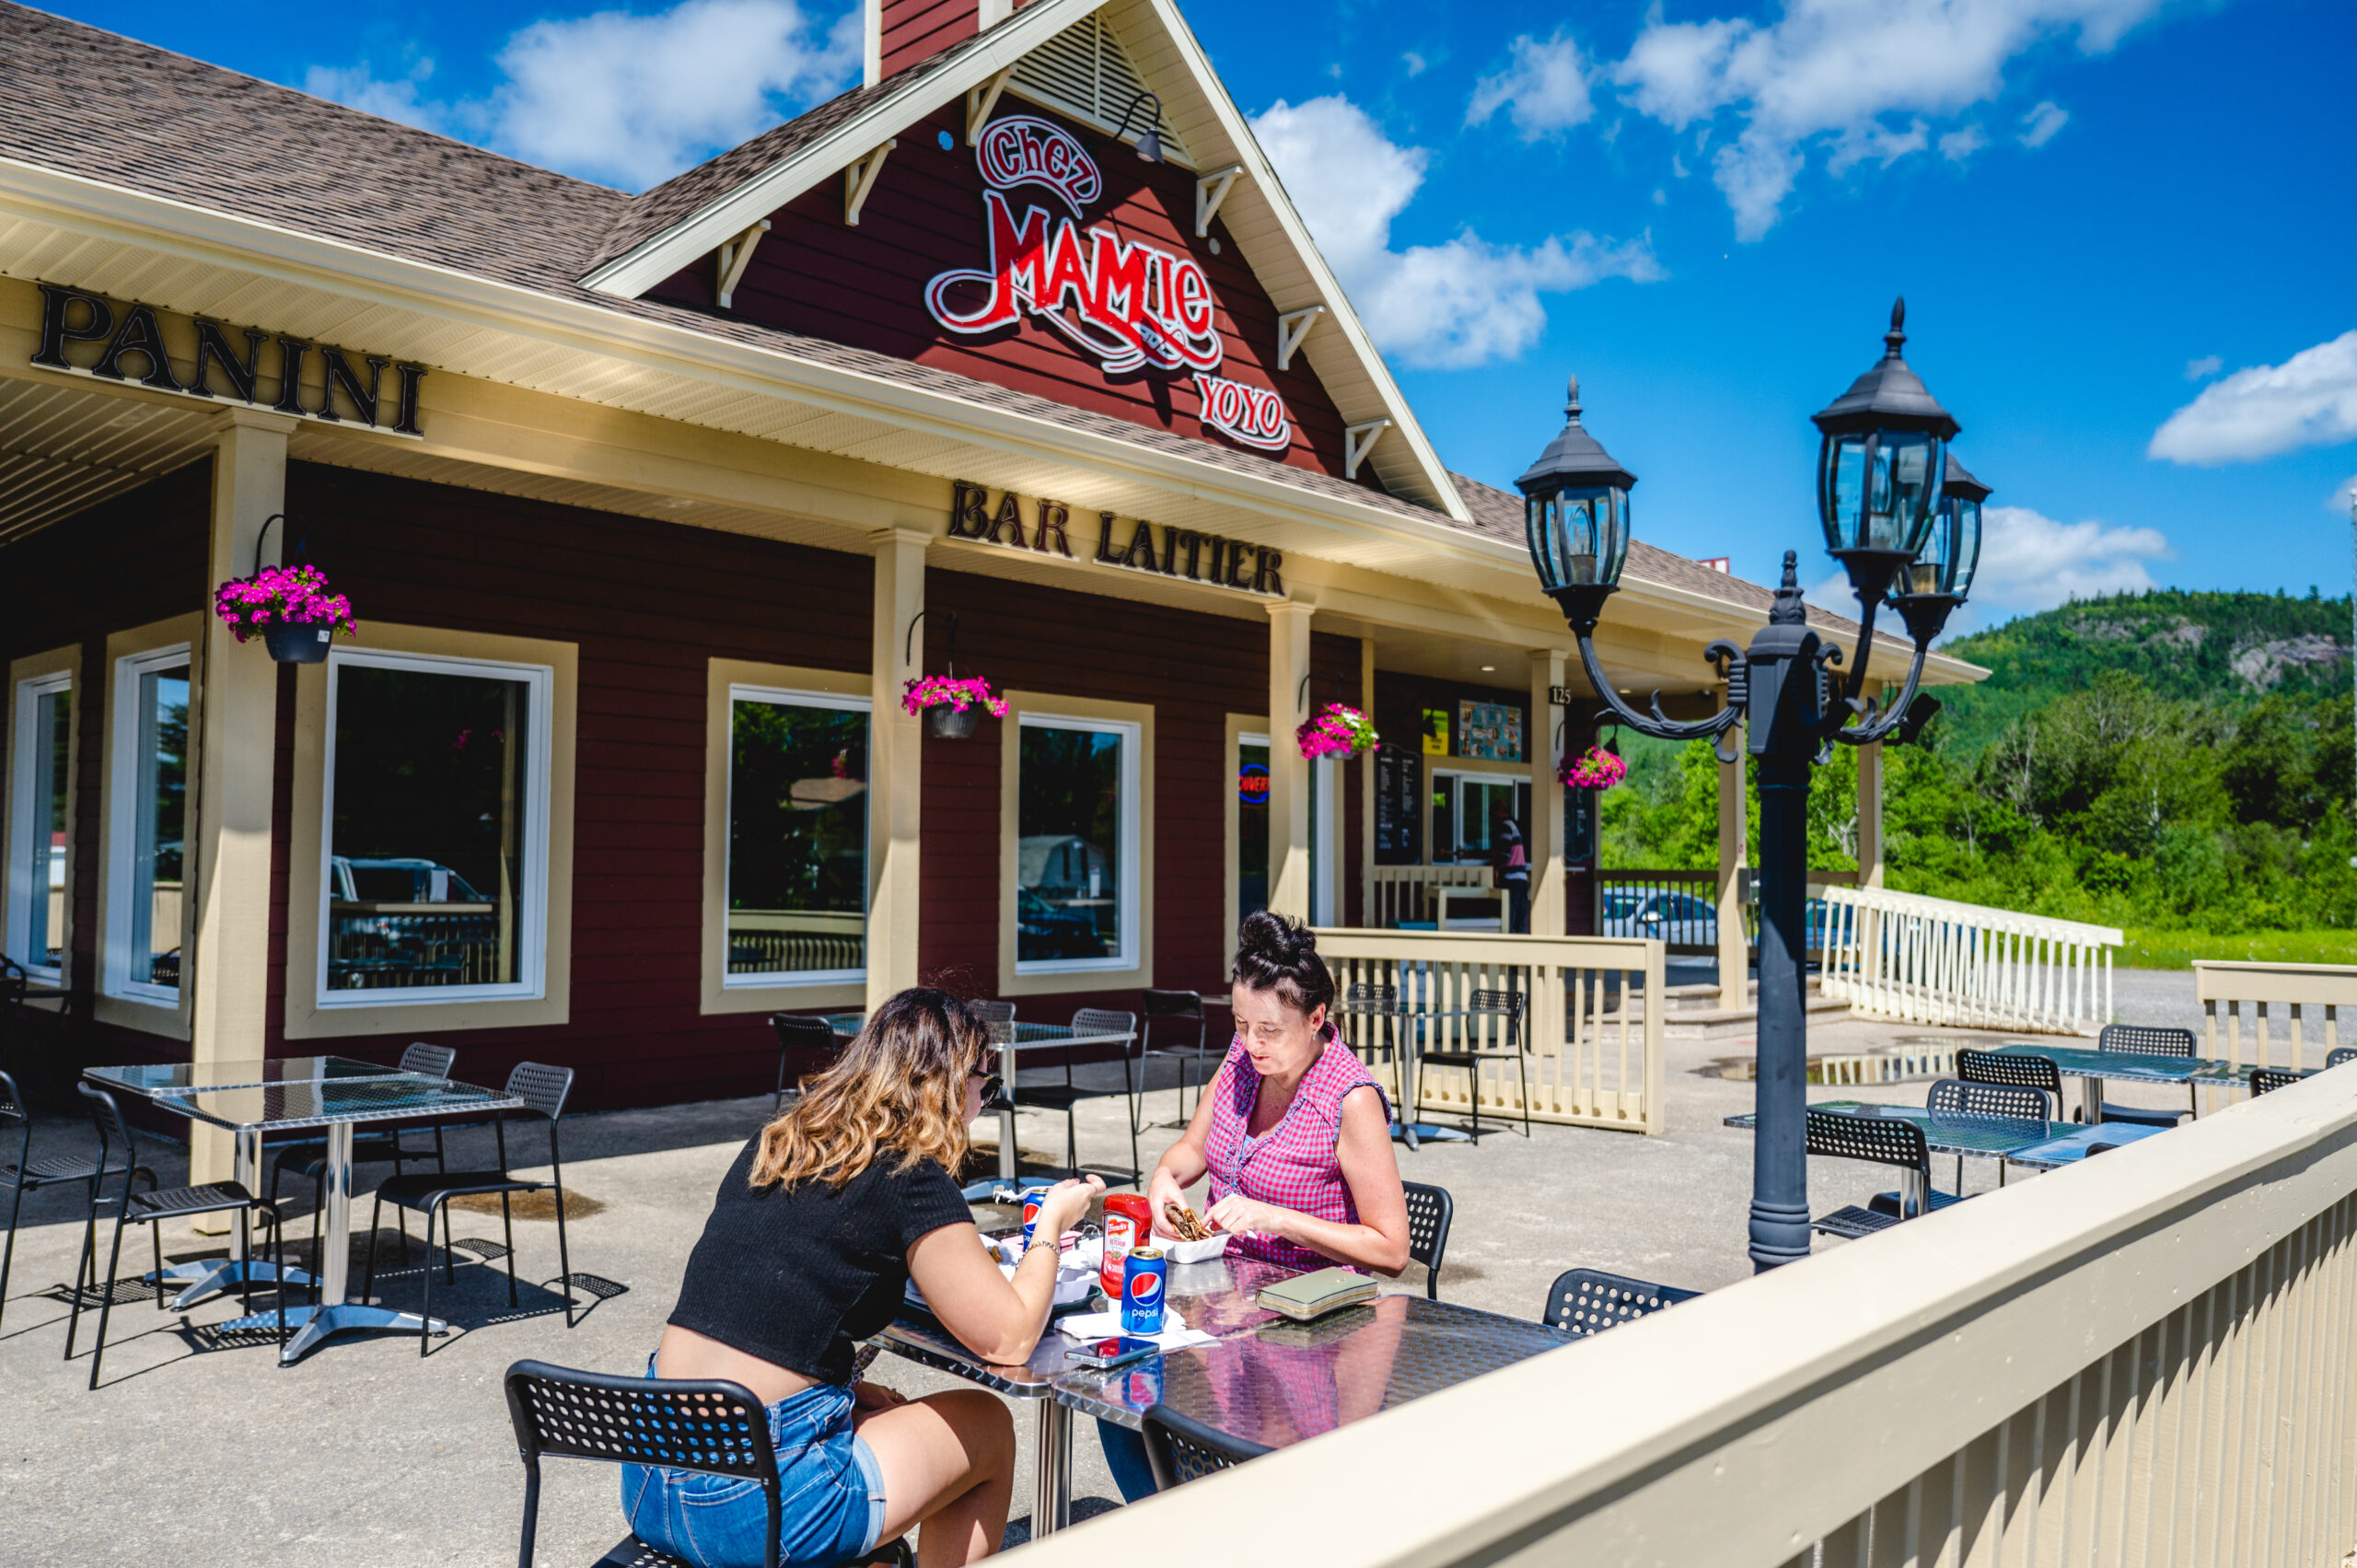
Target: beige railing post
<point>2298,989</point>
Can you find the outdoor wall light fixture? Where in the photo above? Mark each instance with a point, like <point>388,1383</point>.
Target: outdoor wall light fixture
<point>1149,140</point>
<point>1904,520</point>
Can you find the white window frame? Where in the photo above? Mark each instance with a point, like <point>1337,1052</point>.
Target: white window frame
<point>1132,829</point>
<point>775,979</point>
<point>531,981</point>
<point>125,806</point>
<point>1456,804</point>
<point>27,756</point>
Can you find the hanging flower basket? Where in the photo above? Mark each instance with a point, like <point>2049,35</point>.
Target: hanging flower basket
<point>1337,731</point>
<point>1598,768</point>
<point>952,707</point>
<point>290,608</point>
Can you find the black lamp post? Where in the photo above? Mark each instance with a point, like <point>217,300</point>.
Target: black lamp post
<point>1904,522</point>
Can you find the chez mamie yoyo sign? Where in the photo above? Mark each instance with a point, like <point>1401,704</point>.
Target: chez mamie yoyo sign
<point>1129,305</point>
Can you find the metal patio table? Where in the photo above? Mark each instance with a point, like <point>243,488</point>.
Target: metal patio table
<point>1026,1037</point>
<point>2015,1139</point>
<point>1415,1134</point>
<point>252,1099</point>
<point>2091,1068</point>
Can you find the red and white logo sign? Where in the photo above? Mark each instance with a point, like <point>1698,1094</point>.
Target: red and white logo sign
<point>1245,413</point>
<point>1128,304</point>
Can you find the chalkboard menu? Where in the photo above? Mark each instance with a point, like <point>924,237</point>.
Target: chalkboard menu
<point>1398,807</point>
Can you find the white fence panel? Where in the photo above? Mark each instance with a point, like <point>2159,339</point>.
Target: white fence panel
<point>1936,962</point>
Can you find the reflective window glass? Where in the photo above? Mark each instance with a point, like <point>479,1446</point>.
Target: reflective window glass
<point>1075,831</point>
<point>797,838</point>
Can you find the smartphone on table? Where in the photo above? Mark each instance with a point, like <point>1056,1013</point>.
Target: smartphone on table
<point>1117,1352</point>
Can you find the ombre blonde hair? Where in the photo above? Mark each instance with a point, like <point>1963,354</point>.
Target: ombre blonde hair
<point>899,1088</point>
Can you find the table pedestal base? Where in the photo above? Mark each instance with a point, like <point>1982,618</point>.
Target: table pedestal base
<point>1418,1132</point>
<point>1052,1492</point>
<point>315,1323</point>
<point>209,1279</point>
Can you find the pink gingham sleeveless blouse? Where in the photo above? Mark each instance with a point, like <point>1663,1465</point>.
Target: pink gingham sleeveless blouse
<point>1294,1164</point>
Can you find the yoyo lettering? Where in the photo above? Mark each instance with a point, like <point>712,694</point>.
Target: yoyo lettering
<point>1245,413</point>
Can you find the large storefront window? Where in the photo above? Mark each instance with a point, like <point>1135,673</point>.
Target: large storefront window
<point>1076,837</point>
<point>437,823</point>
<point>39,794</point>
<point>797,838</point>
<point>149,811</point>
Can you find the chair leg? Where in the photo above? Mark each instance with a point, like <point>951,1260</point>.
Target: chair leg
<point>506,1230</point>
<point>106,1300</point>
<point>8,1257</point>
<point>278,1257</point>
<point>246,1251</point>
<point>1522,1067</point>
<point>368,1274</point>
<point>426,1284</point>
<point>155,1234</point>
<point>563,1256</point>
<point>82,1267</point>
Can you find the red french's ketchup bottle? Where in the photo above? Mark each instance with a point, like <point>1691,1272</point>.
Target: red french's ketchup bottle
<point>1128,1223</point>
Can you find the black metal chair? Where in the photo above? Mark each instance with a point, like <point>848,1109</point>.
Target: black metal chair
<point>1362,999</point>
<point>1879,1140</point>
<point>1587,1301</point>
<point>798,1034</point>
<point>711,1427</point>
<point>30,1175</point>
<point>2146,1039</point>
<point>1179,1448</point>
<point>1066,1097</point>
<point>2007,1102</point>
<point>1506,1004</point>
<point>1180,1009</point>
<point>308,1157</point>
<point>1430,1210</point>
<point>2344,1054</point>
<point>153,1207</point>
<point>2264,1080</point>
<point>2024,1072</point>
<point>542,1089</point>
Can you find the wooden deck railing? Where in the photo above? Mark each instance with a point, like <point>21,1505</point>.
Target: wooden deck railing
<point>2292,1010</point>
<point>1397,893</point>
<point>1693,929</point>
<point>1936,961</point>
<point>2148,1359</point>
<point>1593,1049</point>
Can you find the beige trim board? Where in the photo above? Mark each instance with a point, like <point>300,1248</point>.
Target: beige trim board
<point>305,1018</point>
<point>721,674</point>
<point>66,661</point>
<point>1126,977</point>
<point>1232,832</point>
<point>125,1012</point>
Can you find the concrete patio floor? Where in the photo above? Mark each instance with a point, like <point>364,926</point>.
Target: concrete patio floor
<point>362,1454</point>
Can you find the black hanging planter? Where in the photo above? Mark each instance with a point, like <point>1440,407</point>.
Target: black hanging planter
<point>951,721</point>
<point>298,643</point>
<point>946,723</point>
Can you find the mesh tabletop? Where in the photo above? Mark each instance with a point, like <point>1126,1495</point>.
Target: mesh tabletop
<point>173,1077</point>
<point>2072,1147</point>
<point>2130,1066</point>
<point>315,1103</point>
<point>1946,1132</point>
<point>1285,1382</point>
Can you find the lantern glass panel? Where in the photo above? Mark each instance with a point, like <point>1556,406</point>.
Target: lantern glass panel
<point>1876,489</point>
<point>1578,536</point>
<point>1967,546</point>
<point>1950,551</point>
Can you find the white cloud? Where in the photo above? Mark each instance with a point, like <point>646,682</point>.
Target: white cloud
<point>2042,122</point>
<point>2030,562</point>
<point>1417,65</point>
<point>1835,68</point>
<point>2339,502</point>
<point>634,100</point>
<point>1958,146</point>
<point>2201,369</point>
<point>1448,306</point>
<point>2308,400</point>
<point>1544,91</point>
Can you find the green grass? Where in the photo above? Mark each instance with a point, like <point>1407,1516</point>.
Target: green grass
<point>2176,950</point>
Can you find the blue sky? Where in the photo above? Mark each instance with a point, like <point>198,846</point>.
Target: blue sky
<point>2118,225</point>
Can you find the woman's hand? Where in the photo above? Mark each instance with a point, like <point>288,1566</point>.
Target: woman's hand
<point>1239,1215</point>
<point>1064,1205</point>
<point>875,1397</point>
<point>1160,1193</point>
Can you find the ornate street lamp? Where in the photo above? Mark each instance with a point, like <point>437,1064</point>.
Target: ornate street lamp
<point>1903,524</point>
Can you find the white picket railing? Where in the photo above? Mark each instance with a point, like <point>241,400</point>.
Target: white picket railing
<point>2146,1360</point>
<point>1397,893</point>
<point>1936,961</point>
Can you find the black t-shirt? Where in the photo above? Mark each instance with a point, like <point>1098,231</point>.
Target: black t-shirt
<point>795,1275</point>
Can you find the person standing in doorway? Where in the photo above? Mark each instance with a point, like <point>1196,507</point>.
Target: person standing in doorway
<point>1510,864</point>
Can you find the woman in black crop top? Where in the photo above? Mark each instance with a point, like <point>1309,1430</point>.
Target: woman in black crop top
<point>826,1213</point>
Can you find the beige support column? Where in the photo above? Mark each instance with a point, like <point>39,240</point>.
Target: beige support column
<point>1870,816</point>
<point>228,933</point>
<point>895,763</point>
<point>1288,775</point>
<point>1735,947</point>
<point>1549,879</point>
<point>1366,788</point>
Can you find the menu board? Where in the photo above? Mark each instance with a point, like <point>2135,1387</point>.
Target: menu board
<point>1398,782</point>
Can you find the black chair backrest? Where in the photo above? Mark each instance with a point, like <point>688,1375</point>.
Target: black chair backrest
<point>2146,1039</point>
<point>1588,1301</point>
<point>2263,1079</point>
<point>1107,1021</point>
<point>1171,1004</point>
<point>1363,995</point>
<point>428,1061</point>
<point>805,1031</point>
<point>541,1087</point>
<point>1876,1139</point>
<point>2341,1054</point>
<point>1506,1002</point>
<point>999,1016</point>
<point>713,1427</point>
<point>1953,1097</point>
<point>12,1104</point>
<point>1180,1448</point>
<point>107,1117</point>
<point>1994,1067</point>
<point>1430,1210</point>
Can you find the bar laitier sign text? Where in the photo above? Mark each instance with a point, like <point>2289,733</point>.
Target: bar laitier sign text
<point>1141,546</point>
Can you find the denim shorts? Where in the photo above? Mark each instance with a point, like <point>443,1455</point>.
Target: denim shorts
<point>832,1488</point>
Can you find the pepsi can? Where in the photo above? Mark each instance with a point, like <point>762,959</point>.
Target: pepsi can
<point>1031,1197</point>
<point>1146,1276</point>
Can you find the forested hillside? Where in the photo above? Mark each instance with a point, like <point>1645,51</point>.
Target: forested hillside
<point>2161,761</point>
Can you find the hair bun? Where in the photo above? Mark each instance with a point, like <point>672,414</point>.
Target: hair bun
<point>1273,953</point>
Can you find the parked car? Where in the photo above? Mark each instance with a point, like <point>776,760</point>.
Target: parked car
<point>1043,931</point>
<point>1682,919</point>
<point>400,880</point>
